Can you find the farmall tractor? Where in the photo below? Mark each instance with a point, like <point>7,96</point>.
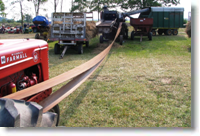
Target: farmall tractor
<point>24,63</point>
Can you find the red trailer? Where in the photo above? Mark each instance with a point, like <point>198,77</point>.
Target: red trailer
<point>142,27</point>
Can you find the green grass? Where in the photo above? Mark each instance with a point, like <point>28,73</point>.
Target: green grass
<point>140,84</point>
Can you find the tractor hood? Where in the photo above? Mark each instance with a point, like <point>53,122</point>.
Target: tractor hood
<point>17,51</point>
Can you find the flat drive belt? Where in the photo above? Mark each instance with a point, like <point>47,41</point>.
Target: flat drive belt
<point>79,75</point>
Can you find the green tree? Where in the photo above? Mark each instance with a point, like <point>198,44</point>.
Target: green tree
<point>19,3</point>
<point>37,5</point>
<point>28,18</point>
<point>80,5</point>
<point>10,21</point>
<point>138,4</point>
<point>97,5</point>
<point>2,8</point>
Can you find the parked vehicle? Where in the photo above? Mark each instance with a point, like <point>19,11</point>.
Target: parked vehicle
<point>14,30</point>
<point>70,30</point>
<point>2,30</point>
<point>42,25</point>
<point>166,20</point>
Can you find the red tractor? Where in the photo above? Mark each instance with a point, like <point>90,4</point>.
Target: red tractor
<point>24,63</point>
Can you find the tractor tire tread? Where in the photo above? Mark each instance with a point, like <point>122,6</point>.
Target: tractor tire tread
<point>19,113</point>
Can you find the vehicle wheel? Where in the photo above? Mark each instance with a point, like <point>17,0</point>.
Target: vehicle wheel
<point>121,39</point>
<point>87,44</point>
<point>80,48</point>
<point>175,32</point>
<point>153,32</point>
<point>57,48</point>
<point>150,36</point>
<point>160,32</point>
<point>132,35</point>
<point>101,39</point>
<point>19,113</point>
<point>126,35</point>
<point>168,32</point>
<point>56,110</point>
<point>37,36</point>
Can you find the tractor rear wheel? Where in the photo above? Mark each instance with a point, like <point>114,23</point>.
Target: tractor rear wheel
<point>57,48</point>
<point>19,113</point>
<point>56,110</point>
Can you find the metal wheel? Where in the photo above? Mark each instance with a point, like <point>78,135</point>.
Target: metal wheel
<point>80,48</point>
<point>153,32</point>
<point>168,32</point>
<point>175,32</point>
<point>57,48</point>
<point>101,39</point>
<point>121,39</point>
<point>150,36</point>
<point>132,35</point>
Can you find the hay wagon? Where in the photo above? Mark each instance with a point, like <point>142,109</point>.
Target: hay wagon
<point>69,29</point>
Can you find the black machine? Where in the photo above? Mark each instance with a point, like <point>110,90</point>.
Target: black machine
<point>110,22</point>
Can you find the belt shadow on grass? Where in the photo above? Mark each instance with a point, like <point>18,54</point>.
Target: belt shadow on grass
<point>75,104</point>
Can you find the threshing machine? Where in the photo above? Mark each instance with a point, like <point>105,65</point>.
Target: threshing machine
<point>110,21</point>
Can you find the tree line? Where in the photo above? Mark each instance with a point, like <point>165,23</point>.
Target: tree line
<point>84,5</point>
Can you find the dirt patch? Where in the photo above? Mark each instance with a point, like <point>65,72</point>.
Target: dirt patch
<point>116,45</point>
<point>17,36</point>
<point>166,80</point>
<point>100,47</point>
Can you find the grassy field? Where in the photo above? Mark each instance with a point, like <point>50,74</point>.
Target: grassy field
<point>140,84</point>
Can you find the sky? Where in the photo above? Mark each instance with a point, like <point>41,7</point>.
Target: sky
<point>15,13</point>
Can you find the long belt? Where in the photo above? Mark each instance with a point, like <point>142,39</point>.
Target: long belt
<point>79,75</point>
